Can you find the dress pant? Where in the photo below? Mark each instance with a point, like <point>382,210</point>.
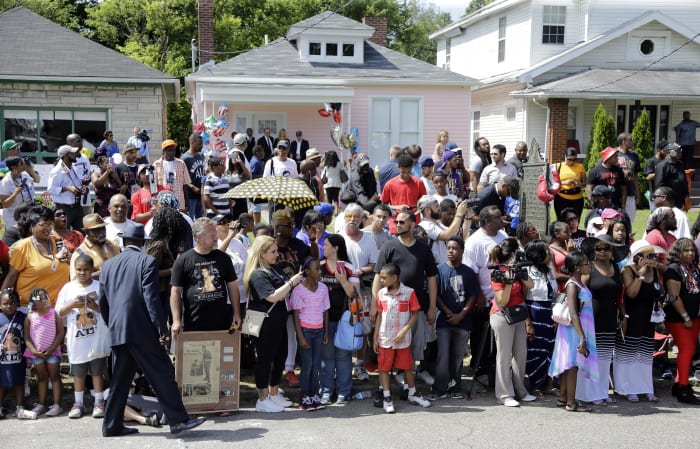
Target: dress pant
<point>153,360</point>
<point>511,356</point>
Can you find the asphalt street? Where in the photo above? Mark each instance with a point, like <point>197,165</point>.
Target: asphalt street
<point>449,423</point>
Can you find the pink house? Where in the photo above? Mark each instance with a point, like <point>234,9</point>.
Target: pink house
<point>389,97</point>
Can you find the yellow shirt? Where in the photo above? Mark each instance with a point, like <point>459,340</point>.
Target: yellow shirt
<point>34,270</point>
<point>575,172</point>
<point>98,254</point>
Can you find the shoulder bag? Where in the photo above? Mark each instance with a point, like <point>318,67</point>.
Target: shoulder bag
<point>560,309</point>
<point>343,176</point>
<point>254,320</point>
<point>514,314</point>
<point>349,336</point>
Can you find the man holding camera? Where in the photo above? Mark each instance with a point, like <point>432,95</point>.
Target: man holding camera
<point>16,188</point>
<point>438,233</point>
<point>140,141</point>
<point>66,186</point>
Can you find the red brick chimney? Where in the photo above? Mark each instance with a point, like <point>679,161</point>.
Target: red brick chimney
<point>205,30</point>
<point>380,29</point>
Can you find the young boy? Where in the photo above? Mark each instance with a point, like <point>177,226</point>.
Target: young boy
<point>397,312</point>
<point>87,337</point>
<point>12,363</point>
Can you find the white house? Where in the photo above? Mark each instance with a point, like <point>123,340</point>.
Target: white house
<point>545,65</point>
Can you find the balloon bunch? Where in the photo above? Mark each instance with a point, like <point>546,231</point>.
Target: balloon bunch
<point>345,141</point>
<point>213,126</point>
<point>331,109</point>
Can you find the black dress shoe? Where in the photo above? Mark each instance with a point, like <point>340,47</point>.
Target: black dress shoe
<point>120,433</point>
<point>186,425</point>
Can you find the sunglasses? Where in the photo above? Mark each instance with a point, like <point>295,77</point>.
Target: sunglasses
<point>601,248</point>
<point>401,222</point>
<point>650,256</point>
<point>353,217</point>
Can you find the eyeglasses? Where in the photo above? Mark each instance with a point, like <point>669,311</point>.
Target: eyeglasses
<point>400,222</point>
<point>353,217</point>
<point>571,219</point>
<point>601,248</point>
<point>650,256</point>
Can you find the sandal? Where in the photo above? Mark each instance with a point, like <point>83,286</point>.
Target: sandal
<point>651,397</point>
<point>561,403</point>
<point>538,394</point>
<point>551,392</point>
<point>577,407</point>
<point>600,402</point>
<point>633,398</point>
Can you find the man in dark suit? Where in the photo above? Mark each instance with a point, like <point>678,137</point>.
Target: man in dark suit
<point>130,305</point>
<point>298,148</point>
<point>267,142</point>
<point>251,143</point>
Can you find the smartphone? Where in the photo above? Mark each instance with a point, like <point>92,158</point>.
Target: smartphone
<point>340,266</point>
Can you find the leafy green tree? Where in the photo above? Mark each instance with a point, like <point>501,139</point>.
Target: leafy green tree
<point>644,145</point>
<point>603,135</point>
<point>476,5</point>
<point>67,13</point>
<point>180,121</point>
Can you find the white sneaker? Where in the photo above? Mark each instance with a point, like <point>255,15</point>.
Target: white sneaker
<point>21,413</point>
<point>400,378</point>
<point>417,399</point>
<point>280,400</point>
<point>510,402</point>
<point>268,406</point>
<point>54,410</point>
<point>326,398</point>
<point>528,398</point>
<point>389,405</point>
<point>76,411</point>
<point>425,376</point>
<point>360,373</point>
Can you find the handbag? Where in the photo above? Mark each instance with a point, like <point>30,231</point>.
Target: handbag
<point>516,314</point>
<point>254,320</point>
<point>349,335</point>
<point>560,310</point>
<point>343,176</point>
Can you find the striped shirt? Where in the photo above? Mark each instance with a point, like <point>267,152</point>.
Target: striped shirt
<point>215,187</point>
<point>42,330</point>
<point>396,310</point>
<point>310,305</point>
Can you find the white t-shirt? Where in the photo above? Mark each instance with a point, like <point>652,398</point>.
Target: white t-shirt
<point>113,229</point>
<point>438,247</point>
<point>7,188</point>
<point>361,252</point>
<point>87,335</point>
<point>287,168</point>
<point>449,196</point>
<point>476,257</point>
<point>238,254</point>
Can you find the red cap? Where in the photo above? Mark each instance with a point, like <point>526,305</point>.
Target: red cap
<point>608,153</point>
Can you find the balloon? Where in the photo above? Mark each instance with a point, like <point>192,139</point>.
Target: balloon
<point>199,127</point>
<point>222,123</point>
<point>337,117</point>
<point>356,139</point>
<point>336,134</point>
<point>327,107</point>
<point>344,142</point>
<point>323,113</point>
<point>205,137</point>
<point>210,122</point>
<point>220,145</point>
<point>218,132</point>
<point>223,110</point>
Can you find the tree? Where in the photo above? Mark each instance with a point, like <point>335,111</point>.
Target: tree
<point>603,135</point>
<point>180,120</point>
<point>67,13</point>
<point>644,144</point>
<point>476,5</point>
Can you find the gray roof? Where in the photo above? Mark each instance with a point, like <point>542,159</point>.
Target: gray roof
<point>328,20</point>
<point>35,47</point>
<point>604,83</point>
<point>280,61</point>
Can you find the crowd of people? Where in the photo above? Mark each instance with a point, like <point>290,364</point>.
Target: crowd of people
<point>430,258</point>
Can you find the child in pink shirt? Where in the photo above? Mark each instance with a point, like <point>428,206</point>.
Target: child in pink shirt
<point>310,303</point>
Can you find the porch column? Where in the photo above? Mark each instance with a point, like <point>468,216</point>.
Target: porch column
<point>557,131</point>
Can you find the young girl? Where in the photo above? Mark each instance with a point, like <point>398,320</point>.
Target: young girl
<point>87,335</point>
<point>12,372</point>
<point>618,231</point>
<point>309,302</point>
<point>574,345</point>
<point>43,334</point>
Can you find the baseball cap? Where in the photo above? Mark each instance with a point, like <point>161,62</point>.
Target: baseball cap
<point>240,139</point>
<point>610,214</point>
<point>427,162</point>
<point>426,201</point>
<point>9,144</point>
<point>451,146</point>
<point>128,147</point>
<point>65,149</point>
<point>324,208</point>
<point>447,156</point>
<point>362,159</point>
<point>282,143</point>
<point>168,143</point>
<point>601,191</point>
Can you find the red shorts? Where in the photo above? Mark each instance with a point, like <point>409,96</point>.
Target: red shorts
<point>389,358</point>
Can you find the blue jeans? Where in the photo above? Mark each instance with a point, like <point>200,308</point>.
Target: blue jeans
<point>336,366</point>
<point>195,208</point>
<point>452,345</point>
<point>310,361</point>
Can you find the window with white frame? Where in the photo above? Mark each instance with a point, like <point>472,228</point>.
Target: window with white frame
<point>553,24</point>
<point>394,121</point>
<point>476,125</point>
<point>41,131</point>
<point>510,114</point>
<point>571,122</point>
<point>501,39</point>
<point>448,52</point>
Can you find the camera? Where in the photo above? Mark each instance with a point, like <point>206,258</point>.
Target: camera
<point>473,202</point>
<point>518,271</point>
<point>143,136</point>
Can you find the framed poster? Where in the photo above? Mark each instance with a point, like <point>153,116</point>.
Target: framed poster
<point>207,370</point>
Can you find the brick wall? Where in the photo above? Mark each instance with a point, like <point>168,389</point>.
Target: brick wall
<point>557,131</point>
<point>380,29</point>
<point>126,107</point>
<point>205,31</point>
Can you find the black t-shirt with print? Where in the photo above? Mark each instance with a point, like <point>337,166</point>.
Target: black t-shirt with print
<point>291,256</point>
<point>204,278</point>
<point>614,177</point>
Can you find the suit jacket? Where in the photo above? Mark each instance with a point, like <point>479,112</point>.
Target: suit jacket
<point>295,149</point>
<point>268,148</point>
<point>129,298</point>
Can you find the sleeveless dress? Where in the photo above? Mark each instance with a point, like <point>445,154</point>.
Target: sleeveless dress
<point>565,355</point>
<point>42,330</point>
<point>632,363</point>
<point>605,291</point>
<point>539,350</point>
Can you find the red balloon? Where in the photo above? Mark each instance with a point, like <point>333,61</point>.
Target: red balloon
<point>336,116</point>
<point>323,113</point>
